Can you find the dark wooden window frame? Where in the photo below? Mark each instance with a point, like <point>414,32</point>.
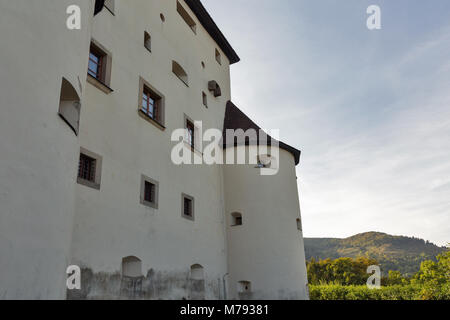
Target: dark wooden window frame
<point>146,94</point>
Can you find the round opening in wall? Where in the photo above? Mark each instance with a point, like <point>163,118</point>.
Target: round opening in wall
<point>163,19</point>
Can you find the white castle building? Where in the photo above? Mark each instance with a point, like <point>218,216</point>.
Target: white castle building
<point>86,176</point>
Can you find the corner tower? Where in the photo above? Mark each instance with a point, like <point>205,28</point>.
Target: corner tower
<point>266,256</point>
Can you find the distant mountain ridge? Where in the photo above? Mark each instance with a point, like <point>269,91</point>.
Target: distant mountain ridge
<point>399,253</point>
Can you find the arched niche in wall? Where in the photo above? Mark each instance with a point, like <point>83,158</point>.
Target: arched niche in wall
<point>131,267</point>
<point>69,105</point>
<point>197,282</point>
<point>197,272</point>
<point>131,281</point>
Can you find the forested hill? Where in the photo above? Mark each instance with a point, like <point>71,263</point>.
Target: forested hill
<point>399,253</point>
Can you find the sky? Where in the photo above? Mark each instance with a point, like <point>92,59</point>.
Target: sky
<point>369,109</point>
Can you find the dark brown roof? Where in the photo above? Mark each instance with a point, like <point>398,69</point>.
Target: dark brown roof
<point>206,21</point>
<point>214,31</point>
<point>236,119</point>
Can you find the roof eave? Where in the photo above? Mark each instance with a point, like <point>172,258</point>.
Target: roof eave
<point>208,23</point>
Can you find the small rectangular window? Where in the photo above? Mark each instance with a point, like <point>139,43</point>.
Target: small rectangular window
<point>205,99</point>
<point>186,17</point>
<point>187,206</point>
<point>89,169</point>
<point>149,192</point>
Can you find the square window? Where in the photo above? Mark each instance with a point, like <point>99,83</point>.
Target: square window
<point>89,169</point>
<point>187,206</point>
<point>149,192</point>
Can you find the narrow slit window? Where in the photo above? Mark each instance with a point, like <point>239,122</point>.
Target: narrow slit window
<point>218,57</point>
<point>147,41</point>
<point>205,99</point>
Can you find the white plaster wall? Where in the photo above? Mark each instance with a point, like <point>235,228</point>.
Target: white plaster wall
<point>38,158</point>
<point>267,249</point>
<point>111,223</point>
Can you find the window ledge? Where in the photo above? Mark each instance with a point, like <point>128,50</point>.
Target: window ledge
<point>149,204</point>
<point>99,84</point>
<point>152,121</point>
<point>188,217</point>
<point>88,183</point>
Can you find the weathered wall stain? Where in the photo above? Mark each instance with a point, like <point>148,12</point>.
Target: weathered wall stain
<point>154,286</point>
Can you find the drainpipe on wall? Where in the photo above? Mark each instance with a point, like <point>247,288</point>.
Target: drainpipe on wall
<point>224,286</point>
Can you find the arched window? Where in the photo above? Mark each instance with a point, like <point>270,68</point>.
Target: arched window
<point>131,267</point>
<point>197,272</point>
<point>236,219</point>
<point>179,72</point>
<point>147,41</point>
<point>69,105</point>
